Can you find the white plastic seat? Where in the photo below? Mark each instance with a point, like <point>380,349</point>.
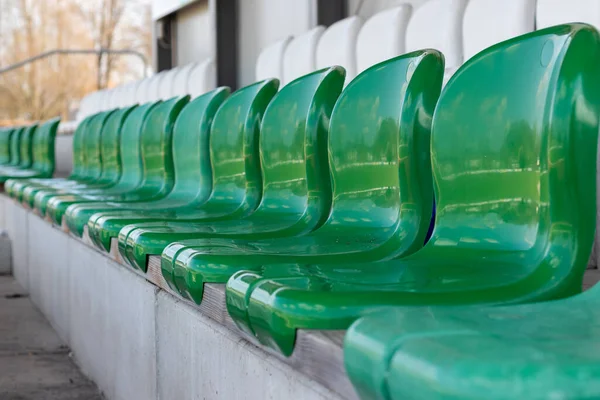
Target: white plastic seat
<point>165,88</point>
<point>142,90</point>
<point>337,46</point>
<point>382,36</point>
<point>104,100</point>
<point>487,22</point>
<point>116,97</point>
<point>86,105</point>
<point>130,94</point>
<point>202,78</point>
<point>556,12</point>
<point>180,82</point>
<point>154,90</point>
<point>300,56</point>
<point>270,61</point>
<point>437,24</point>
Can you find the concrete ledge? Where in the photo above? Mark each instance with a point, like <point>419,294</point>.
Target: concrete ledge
<point>137,340</point>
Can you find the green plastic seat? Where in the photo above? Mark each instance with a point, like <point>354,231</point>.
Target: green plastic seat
<point>42,165</point>
<point>191,161</point>
<point>15,149</point>
<point>479,352</point>
<point>25,151</point>
<point>17,189</point>
<point>381,174</point>
<point>131,169</point>
<point>514,158</point>
<point>86,144</point>
<point>232,185</point>
<point>294,200</point>
<point>157,171</point>
<point>5,136</point>
<point>105,161</point>
<point>92,169</point>
<point>43,158</point>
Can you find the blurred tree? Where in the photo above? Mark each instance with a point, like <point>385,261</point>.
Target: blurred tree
<point>54,86</point>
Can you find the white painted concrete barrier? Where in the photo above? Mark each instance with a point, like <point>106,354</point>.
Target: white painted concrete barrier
<point>133,339</point>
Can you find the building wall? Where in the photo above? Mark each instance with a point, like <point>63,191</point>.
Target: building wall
<point>262,22</point>
<point>195,34</point>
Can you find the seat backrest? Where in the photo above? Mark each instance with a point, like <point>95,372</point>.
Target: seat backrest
<point>293,147</point>
<point>234,159</point>
<point>514,149</point>
<point>141,92</point>
<point>26,146</point>
<point>130,146</point>
<point>300,56</point>
<point>337,46</point>
<point>165,87</point>
<point>132,94</point>
<point>437,24</point>
<point>156,143</point>
<point>15,146</point>
<point>43,147</point>
<point>202,78</point>
<point>191,158</point>
<point>180,83</point>
<point>77,172</point>
<point>382,36</point>
<point>269,63</point>
<point>5,135</point>
<point>92,146</point>
<point>86,105</point>
<point>487,22</point>
<point>111,145</point>
<point>379,141</point>
<point>151,89</point>
<point>555,12</point>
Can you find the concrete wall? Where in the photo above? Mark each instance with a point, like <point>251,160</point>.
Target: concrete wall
<point>134,340</point>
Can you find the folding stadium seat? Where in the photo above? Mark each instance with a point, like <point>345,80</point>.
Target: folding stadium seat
<point>42,153</point>
<point>337,46</point>
<point>193,187</point>
<point>109,133</point>
<point>555,12</point>
<point>437,24</point>
<point>180,83</point>
<point>487,22</point>
<point>5,136</point>
<point>235,168</point>
<point>382,37</point>
<point>382,190</point>
<point>300,56</point>
<point>190,151</point>
<point>15,141</point>
<point>130,165</point>
<point>25,151</point>
<point>295,183</point>
<point>270,60</point>
<point>92,153</point>
<point>166,84</point>
<point>531,351</point>
<point>142,90</point>
<point>157,167</point>
<point>202,78</point>
<point>513,151</point>
<point>25,190</point>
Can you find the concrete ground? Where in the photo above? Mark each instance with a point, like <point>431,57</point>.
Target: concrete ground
<point>34,363</point>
